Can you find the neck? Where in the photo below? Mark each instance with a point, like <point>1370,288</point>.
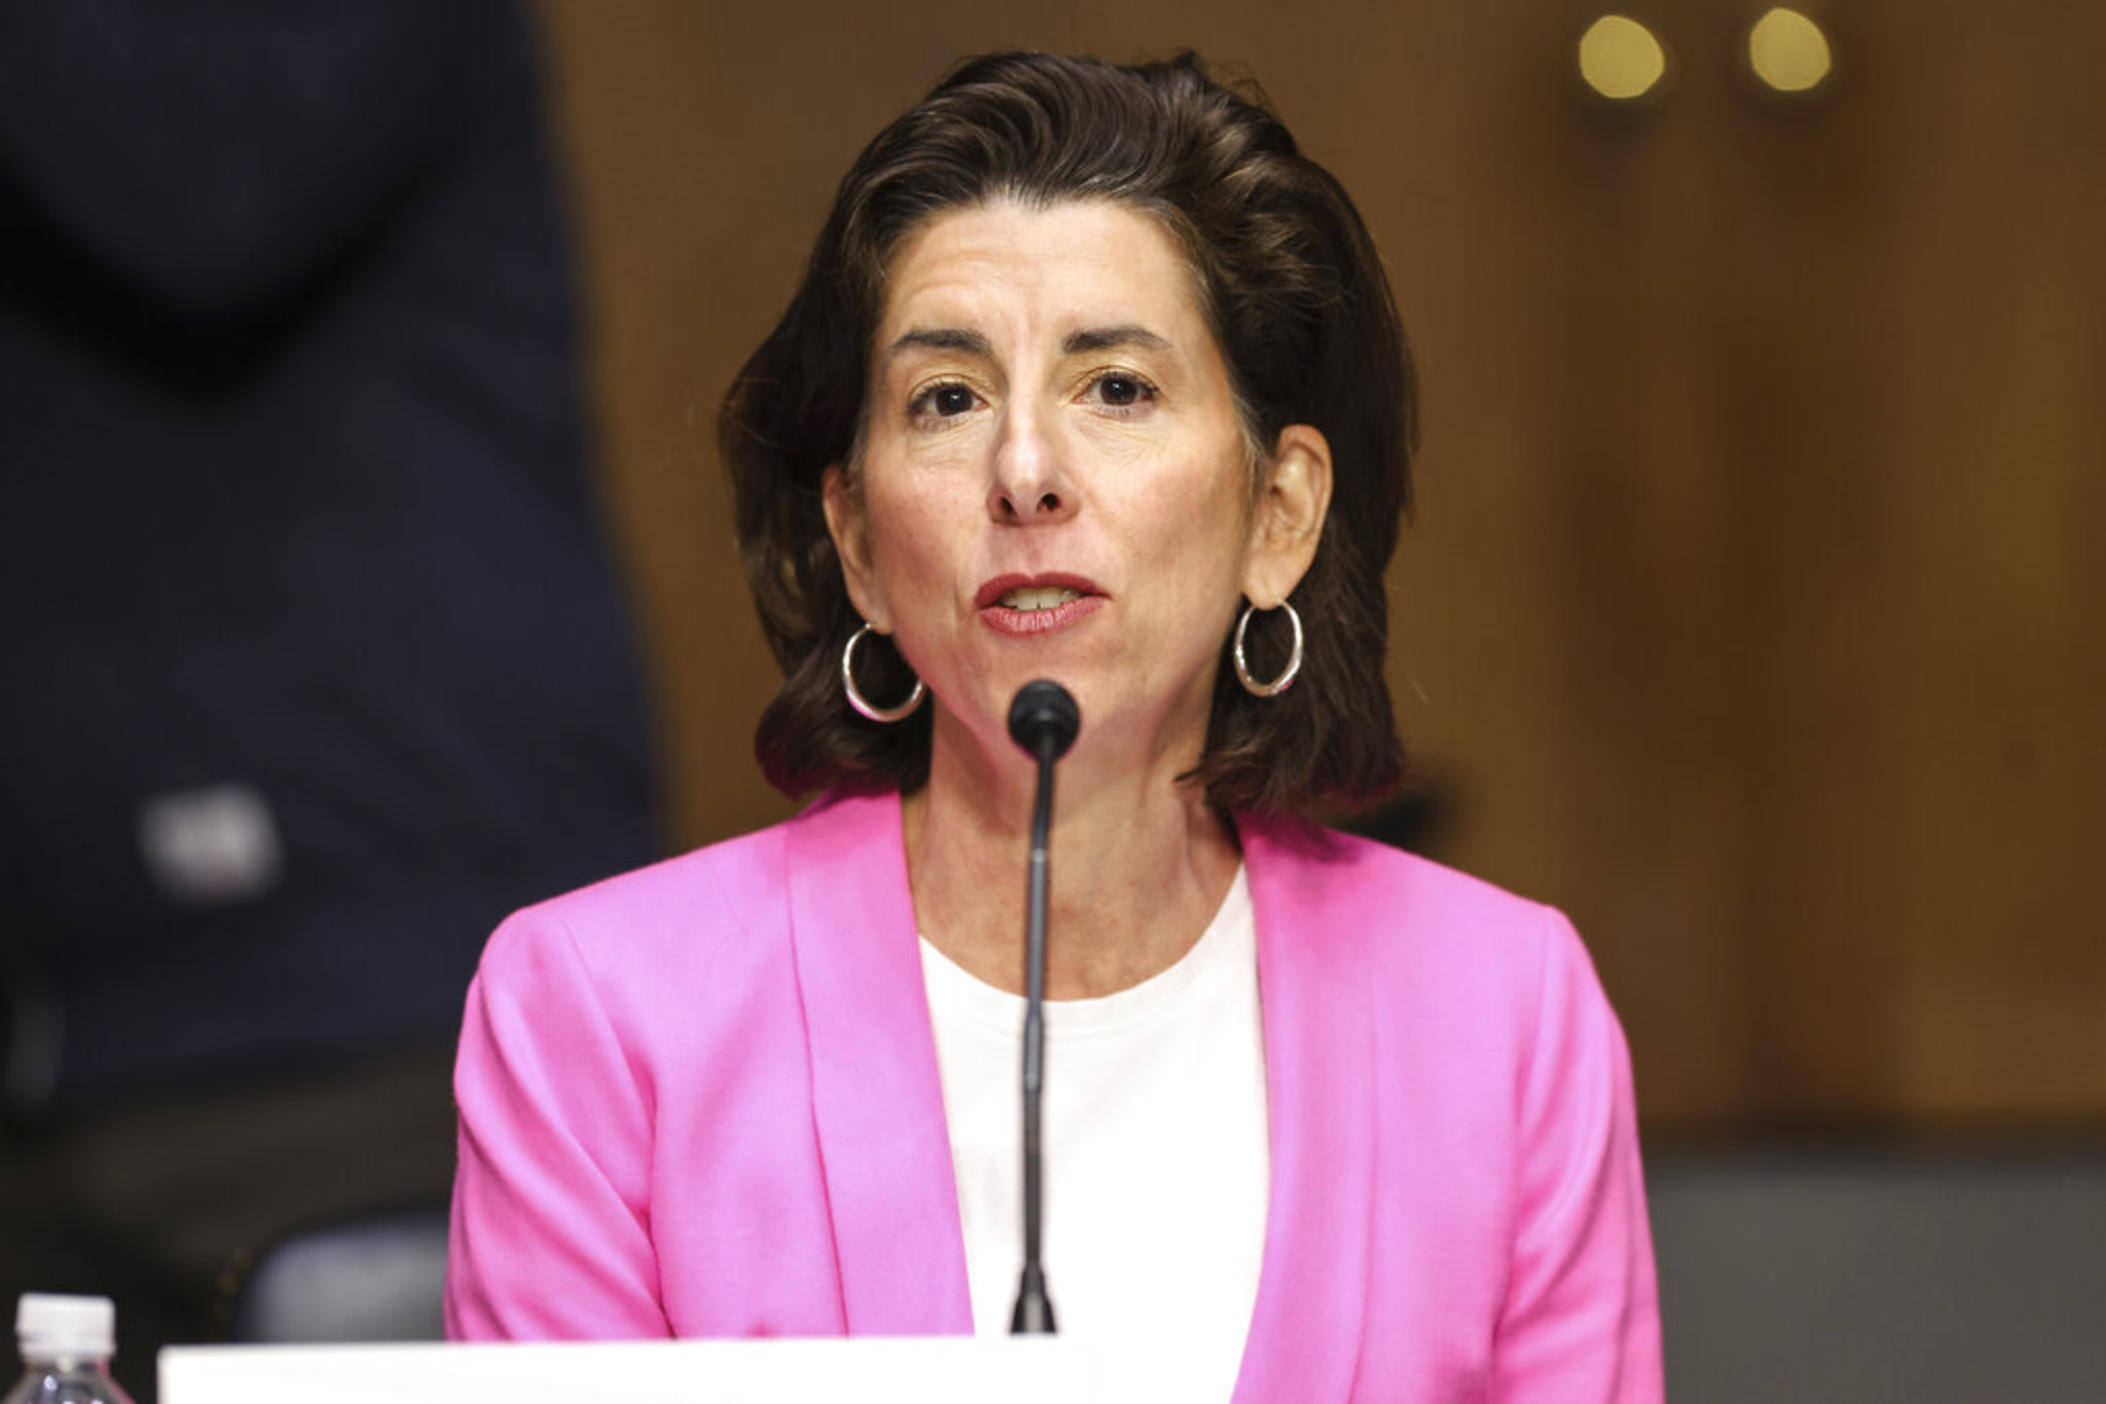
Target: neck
<point>1139,863</point>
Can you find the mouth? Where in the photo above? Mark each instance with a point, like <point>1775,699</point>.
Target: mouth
<point>1033,593</point>
<point>1032,598</point>
<point>1035,604</point>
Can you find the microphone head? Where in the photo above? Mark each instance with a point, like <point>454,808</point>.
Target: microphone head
<point>1044,715</point>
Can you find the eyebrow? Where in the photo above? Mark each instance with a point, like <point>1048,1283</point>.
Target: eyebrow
<point>1076,343</point>
<point>1105,338</point>
<point>942,339</point>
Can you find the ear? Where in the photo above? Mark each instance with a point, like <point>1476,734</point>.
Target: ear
<point>846,524</point>
<point>1288,520</point>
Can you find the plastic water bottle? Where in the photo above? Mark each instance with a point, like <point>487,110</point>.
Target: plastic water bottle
<point>66,1344</point>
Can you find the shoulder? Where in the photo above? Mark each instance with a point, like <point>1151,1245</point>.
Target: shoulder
<point>709,911</point>
<point>735,875</point>
<point>663,903</point>
<point>1323,875</point>
<point>1427,935</point>
<point>699,926</point>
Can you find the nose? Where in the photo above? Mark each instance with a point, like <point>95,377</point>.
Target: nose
<point>1030,486</point>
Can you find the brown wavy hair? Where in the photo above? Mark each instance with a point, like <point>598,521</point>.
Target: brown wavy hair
<point>1295,294</point>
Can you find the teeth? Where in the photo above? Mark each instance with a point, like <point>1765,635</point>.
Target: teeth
<point>1035,597</point>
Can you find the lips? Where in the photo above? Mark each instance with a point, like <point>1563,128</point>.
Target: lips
<point>1036,604</point>
<point>1033,592</point>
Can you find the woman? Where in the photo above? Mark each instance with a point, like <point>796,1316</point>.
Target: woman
<point>1092,376</point>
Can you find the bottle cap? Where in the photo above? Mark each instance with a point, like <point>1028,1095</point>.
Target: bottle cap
<point>51,1326</point>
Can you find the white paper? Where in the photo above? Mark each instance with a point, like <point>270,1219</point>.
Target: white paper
<point>882,1371</point>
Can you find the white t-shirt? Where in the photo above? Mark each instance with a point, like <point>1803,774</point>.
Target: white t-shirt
<point>1153,1136</point>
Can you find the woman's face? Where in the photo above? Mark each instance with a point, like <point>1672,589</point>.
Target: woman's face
<point>1053,479</point>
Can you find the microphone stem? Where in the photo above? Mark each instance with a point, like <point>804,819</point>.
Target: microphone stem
<point>1034,1309</point>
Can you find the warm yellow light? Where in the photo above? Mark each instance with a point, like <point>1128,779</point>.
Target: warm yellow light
<point>1788,51</point>
<point>1620,58</point>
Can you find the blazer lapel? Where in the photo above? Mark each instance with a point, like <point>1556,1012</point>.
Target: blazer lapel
<point>877,1098</point>
<point>1306,1327</point>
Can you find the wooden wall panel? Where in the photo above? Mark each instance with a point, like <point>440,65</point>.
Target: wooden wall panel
<point>1751,613</point>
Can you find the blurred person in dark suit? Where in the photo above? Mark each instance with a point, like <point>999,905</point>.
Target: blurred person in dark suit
<point>316,663</point>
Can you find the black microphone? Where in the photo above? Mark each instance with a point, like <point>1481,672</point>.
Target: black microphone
<point>1044,715</point>
<point>1043,719</point>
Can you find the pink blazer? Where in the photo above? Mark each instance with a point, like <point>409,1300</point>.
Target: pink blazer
<point>702,1100</point>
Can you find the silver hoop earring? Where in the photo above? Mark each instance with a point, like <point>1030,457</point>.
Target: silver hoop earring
<point>906,708</point>
<point>1294,658</point>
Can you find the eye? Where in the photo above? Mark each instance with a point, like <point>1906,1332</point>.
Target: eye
<point>943,401</point>
<point>1121,390</point>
